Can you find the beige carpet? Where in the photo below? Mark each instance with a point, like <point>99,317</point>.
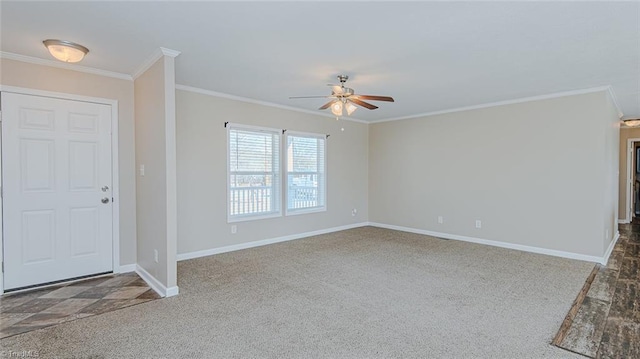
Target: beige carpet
<point>361,293</point>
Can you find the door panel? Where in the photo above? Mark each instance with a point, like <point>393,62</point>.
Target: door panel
<point>83,123</point>
<point>84,230</point>
<point>56,158</point>
<point>83,166</point>
<point>38,241</point>
<point>36,119</point>
<point>37,165</point>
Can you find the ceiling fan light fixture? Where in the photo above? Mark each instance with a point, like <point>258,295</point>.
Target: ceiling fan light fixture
<point>65,51</point>
<point>632,122</point>
<point>342,98</point>
<point>336,108</point>
<point>351,108</point>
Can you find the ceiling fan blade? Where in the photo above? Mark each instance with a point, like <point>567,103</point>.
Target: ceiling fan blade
<point>294,97</point>
<point>327,105</point>
<point>376,98</point>
<point>362,103</point>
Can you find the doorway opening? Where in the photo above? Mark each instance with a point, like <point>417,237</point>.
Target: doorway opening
<point>633,180</point>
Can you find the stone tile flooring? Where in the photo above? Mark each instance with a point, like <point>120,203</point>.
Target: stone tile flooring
<point>27,311</point>
<point>607,324</point>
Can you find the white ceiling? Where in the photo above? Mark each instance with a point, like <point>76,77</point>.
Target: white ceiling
<point>429,56</point>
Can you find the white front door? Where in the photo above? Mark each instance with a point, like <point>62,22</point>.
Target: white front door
<point>56,179</point>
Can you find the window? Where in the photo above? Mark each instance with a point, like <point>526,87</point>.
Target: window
<point>306,173</point>
<point>253,173</point>
<point>254,186</point>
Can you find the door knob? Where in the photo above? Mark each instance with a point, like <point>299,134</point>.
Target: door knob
<point>105,188</point>
<point>105,200</point>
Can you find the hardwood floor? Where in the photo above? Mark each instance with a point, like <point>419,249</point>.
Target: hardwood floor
<point>607,322</point>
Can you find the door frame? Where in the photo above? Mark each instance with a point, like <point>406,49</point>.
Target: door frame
<point>115,175</point>
<point>629,183</point>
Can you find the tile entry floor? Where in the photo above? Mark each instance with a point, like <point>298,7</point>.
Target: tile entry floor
<point>607,324</point>
<point>31,310</point>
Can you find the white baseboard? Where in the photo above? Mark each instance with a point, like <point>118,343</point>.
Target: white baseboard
<point>171,291</point>
<point>605,259</point>
<point>520,247</point>
<point>264,242</point>
<point>155,284</point>
<point>127,268</point>
<point>624,221</point>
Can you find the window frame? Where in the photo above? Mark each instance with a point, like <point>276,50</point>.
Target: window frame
<point>322,187</point>
<point>277,173</point>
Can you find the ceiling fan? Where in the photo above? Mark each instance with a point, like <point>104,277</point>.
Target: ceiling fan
<point>344,98</point>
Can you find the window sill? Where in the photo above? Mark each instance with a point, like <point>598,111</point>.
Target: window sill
<point>305,211</point>
<point>249,218</point>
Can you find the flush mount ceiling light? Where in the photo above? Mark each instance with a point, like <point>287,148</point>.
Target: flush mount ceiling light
<point>65,51</point>
<point>632,122</point>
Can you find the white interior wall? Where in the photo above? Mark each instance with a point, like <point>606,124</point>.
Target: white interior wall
<point>534,173</point>
<point>156,189</point>
<point>611,124</point>
<point>202,171</point>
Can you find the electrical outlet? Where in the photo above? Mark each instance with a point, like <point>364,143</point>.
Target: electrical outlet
<point>234,229</point>
<point>141,170</point>
<point>155,255</point>
<point>440,219</point>
<point>478,223</point>
<point>354,212</point>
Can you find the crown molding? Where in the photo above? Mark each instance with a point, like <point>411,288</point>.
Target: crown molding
<point>169,52</point>
<point>263,103</point>
<point>511,102</point>
<point>612,94</point>
<point>155,56</point>
<point>63,65</point>
<point>146,64</point>
<point>162,51</point>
